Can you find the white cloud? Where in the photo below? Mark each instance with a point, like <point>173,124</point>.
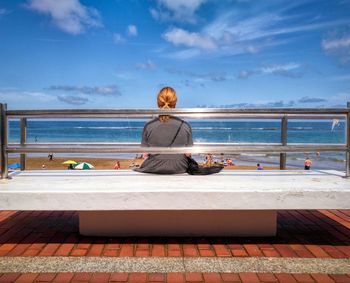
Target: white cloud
<point>149,65</point>
<point>244,74</point>
<point>252,49</point>
<point>307,99</point>
<point>180,5</point>
<point>339,46</point>
<point>124,75</point>
<point>155,13</point>
<point>257,104</point>
<point>132,30</point>
<point>73,100</point>
<point>200,77</point>
<point>179,36</point>
<point>274,69</point>
<point>232,33</point>
<point>285,70</point>
<point>118,38</point>
<point>339,43</point>
<point>100,90</point>
<point>184,54</point>
<point>68,15</point>
<point>259,26</point>
<point>176,10</point>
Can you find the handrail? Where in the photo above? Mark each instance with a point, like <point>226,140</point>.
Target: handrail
<point>86,148</point>
<point>224,113</point>
<point>284,114</point>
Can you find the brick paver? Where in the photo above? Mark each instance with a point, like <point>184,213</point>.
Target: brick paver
<point>307,234</point>
<point>303,234</point>
<point>174,277</point>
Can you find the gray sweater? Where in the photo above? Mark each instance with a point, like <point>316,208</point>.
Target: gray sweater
<point>161,134</point>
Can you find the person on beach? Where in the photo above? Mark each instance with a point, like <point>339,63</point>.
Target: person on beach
<point>117,165</point>
<point>166,131</point>
<point>259,167</point>
<point>229,162</point>
<point>307,163</point>
<point>50,156</point>
<point>209,160</point>
<point>222,159</point>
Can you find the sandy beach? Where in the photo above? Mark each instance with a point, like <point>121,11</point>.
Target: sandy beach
<point>36,163</point>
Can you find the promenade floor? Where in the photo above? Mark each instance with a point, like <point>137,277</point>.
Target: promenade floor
<point>310,246</point>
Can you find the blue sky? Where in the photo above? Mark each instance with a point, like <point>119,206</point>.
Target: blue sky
<point>228,53</point>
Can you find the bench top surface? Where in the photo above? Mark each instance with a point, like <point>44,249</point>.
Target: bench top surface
<point>129,190</point>
<point>131,181</point>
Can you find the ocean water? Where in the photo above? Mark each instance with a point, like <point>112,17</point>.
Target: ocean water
<point>203,131</point>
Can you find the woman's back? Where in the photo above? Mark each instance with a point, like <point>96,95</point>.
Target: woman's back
<point>157,133</point>
<point>166,131</point>
<point>173,132</point>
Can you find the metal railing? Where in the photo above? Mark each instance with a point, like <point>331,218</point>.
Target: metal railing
<point>283,114</point>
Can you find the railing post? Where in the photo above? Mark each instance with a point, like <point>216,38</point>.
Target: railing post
<point>283,156</point>
<point>23,142</point>
<point>3,141</point>
<point>347,169</point>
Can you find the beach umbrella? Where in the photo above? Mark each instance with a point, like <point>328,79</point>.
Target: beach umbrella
<point>14,166</point>
<point>83,166</point>
<point>68,162</point>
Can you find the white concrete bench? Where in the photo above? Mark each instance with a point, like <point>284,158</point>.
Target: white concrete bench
<point>127,203</point>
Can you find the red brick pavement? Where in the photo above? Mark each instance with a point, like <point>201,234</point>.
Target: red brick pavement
<point>303,234</point>
<point>307,234</point>
<point>173,277</point>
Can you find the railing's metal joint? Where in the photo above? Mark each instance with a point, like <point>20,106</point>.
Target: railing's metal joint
<point>347,154</point>
<point>3,141</point>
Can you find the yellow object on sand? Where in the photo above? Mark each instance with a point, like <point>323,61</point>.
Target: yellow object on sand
<point>67,162</point>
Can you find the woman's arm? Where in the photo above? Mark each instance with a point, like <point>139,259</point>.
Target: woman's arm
<point>189,139</point>
<point>144,141</point>
<point>189,136</point>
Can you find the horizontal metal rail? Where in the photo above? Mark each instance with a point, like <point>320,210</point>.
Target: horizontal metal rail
<point>137,144</point>
<point>186,113</point>
<point>87,148</point>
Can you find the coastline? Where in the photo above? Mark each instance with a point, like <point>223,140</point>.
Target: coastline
<point>241,161</point>
<point>35,163</point>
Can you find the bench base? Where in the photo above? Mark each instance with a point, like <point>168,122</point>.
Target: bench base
<point>178,223</point>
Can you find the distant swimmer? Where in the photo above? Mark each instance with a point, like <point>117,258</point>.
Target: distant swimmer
<point>307,163</point>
